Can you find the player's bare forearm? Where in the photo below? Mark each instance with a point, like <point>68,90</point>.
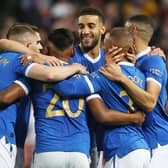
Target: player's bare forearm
<point>10,95</point>
<point>145,99</point>
<point>112,117</point>
<point>45,73</point>
<point>40,59</point>
<point>11,45</point>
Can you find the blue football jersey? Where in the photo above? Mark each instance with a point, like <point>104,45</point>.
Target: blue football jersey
<point>60,123</point>
<point>76,86</point>
<point>10,70</point>
<point>156,123</point>
<point>121,140</point>
<point>91,64</point>
<point>118,140</point>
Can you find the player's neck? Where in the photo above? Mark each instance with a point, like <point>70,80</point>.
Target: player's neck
<point>64,58</point>
<point>93,53</point>
<point>141,46</point>
<point>124,59</point>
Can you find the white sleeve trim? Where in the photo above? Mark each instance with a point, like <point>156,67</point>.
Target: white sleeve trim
<point>151,79</point>
<point>28,68</point>
<point>93,97</point>
<point>89,84</point>
<point>23,86</point>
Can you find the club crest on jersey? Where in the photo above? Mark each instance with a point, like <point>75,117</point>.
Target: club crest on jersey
<point>4,61</point>
<point>95,75</point>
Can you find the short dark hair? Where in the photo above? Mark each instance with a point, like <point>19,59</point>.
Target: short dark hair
<point>61,38</point>
<point>122,37</point>
<point>144,24</point>
<point>92,11</point>
<point>147,20</point>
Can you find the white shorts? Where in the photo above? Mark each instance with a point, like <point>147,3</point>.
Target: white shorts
<point>31,135</point>
<point>60,160</point>
<point>159,157</point>
<point>7,154</point>
<point>139,158</point>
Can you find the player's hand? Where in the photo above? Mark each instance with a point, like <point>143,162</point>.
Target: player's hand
<point>40,59</point>
<point>113,55</point>
<point>139,117</point>
<point>112,72</point>
<point>27,58</point>
<point>52,60</point>
<point>80,68</point>
<point>157,51</point>
<point>131,55</point>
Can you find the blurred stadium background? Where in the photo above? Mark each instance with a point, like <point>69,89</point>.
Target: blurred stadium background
<point>50,14</point>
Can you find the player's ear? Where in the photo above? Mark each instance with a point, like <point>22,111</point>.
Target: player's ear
<point>103,30</point>
<point>28,45</point>
<point>72,52</point>
<point>134,30</point>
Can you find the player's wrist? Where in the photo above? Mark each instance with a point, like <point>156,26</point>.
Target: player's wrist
<point>122,78</point>
<point>138,118</point>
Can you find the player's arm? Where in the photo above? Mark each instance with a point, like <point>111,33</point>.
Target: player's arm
<point>11,45</point>
<point>112,117</point>
<point>76,86</point>
<point>11,94</point>
<point>40,59</point>
<point>146,99</point>
<point>46,73</point>
<point>157,51</point>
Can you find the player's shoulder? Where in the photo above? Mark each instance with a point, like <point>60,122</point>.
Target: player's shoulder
<point>154,59</point>
<point>10,54</point>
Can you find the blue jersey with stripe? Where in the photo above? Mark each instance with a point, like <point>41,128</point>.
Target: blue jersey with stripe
<point>156,123</point>
<point>91,64</point>
<point>10,70</point>
<point>60,123</point>
<point>118,140</point>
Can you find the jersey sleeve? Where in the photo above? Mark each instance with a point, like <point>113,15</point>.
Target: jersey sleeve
<point>154,69</point>
<point>24,83</point>
<point>22,69</point>
<point>77,86</point>
<point>93,96</point>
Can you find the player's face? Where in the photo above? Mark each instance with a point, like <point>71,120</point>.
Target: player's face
<point>90,29</point>
<point>35,44</point>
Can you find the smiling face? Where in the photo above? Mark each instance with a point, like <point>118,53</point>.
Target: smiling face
<point>90,29</point>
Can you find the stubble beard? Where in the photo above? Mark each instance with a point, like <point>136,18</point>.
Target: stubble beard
<point>86,49</point>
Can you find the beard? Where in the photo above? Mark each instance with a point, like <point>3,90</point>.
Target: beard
<point>86,48</point>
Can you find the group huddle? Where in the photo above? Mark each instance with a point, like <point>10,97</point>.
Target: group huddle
<point>107,95</point>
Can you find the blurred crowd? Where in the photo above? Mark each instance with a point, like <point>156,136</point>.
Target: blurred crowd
<point>51,14</point>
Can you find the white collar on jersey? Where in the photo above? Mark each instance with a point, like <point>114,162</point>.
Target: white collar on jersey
<point>93,60</point>
<point>126,63</point>
<point>145,52</point>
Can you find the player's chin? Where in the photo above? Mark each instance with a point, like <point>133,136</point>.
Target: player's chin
<point>87,44</point>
